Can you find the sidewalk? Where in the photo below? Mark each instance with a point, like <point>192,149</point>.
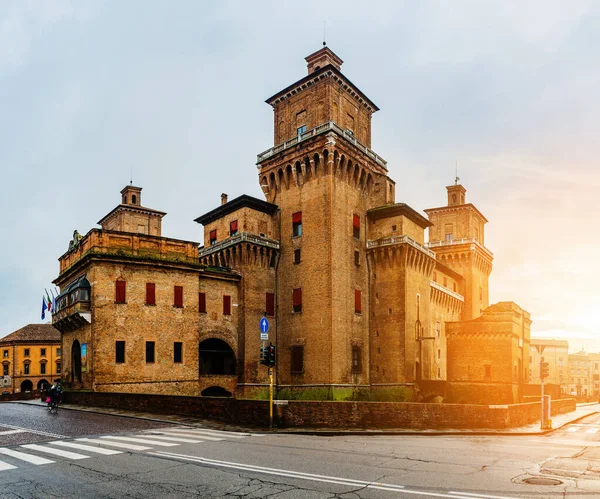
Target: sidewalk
<point>558,421</point>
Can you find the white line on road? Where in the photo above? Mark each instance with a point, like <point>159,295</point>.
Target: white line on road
<point>30,458</point>
<point>89,448</point>
<point>471,495</point>
<point>571,429</point>
<point>192,435</point>
<point>146,441</point>
<point>316,478</point>
<point>120,445</point>
<point>6,466</point>
<point>56,452</point>
<point>11,432</point>
<point>592,430</point>
<point>36,432</point>
<point>174,439</point>
<point>216,433</point>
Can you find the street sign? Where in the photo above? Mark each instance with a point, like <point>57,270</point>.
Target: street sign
<point>264,336</point>
<point>264,325</point>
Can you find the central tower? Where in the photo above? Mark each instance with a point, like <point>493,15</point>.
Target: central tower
<point>324,177</point>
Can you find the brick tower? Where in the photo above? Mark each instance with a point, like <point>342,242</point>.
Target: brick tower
<point>324,177</point>
<point>457,237</point>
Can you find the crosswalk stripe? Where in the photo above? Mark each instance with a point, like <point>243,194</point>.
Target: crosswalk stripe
<point>572,430</point>
<point>56,452</point>
<point>146,441</point>
<point>208,432</point>
<point>30,458</point>
<point>11,432</point>
<point>89,448</point>
<point>174,439</point>
<point>192,435</point>
<point>592,430</point>
<point>120,445</point>
<point>6,466</point>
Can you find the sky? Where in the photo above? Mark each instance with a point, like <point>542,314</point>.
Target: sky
<point>171,95</point>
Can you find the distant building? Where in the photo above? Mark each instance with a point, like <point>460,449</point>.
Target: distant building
<point>31,358</point>
<point>584,374</point>
<point>556,353</point>
<point>358,303</point>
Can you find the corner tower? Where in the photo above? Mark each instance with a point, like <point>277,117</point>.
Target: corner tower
<point>324,176</point>
<point>457,237</point>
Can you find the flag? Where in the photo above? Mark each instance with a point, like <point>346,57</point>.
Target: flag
<point>44,307</point>
<point>53,301</point>
<point>48,301</point>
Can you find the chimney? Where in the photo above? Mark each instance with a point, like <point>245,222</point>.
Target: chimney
<point>223,198</point>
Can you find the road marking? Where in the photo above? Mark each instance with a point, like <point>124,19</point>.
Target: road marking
<point>572,429</point>
<point>192,435</point>
<point>6,466</point>
<point>592,430</point>
<point>120,445</point>
<point>146,441</point>
<point>469,494</point>
<point>56,452</point>
<point>36,432</point>
<point>89,448</point>
<point>30,458</point>
<point>216,433</point>
<point>174,439</point>
<point>11,432</point>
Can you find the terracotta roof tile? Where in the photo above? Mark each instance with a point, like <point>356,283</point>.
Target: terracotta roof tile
<point>33,332</point>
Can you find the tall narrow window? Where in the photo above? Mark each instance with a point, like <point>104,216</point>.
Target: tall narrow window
<point>119,352</point>
<point>149,352</point>
<point>297,361</point>
<point>26,352</point>
<point>226,305</point>
<point>120,287</point>
<point>357,301</point>
<point>297,224</point>
<point>356,226</point>
<point>297,255</point>
<point>435,277</point>
<point>233,228</point>
<point>202,303</point>
<point>445,282</point>
<point>270,304</point>
<point>356,360</point>
<point>178,352</point>
<point>150,293</point>
<point>357,258</point>
<point>5,369</point>
<point>213,236</point>
<point>178,297</point>
<point>438,328</point>
<point>42,352</point>
<point>297,299</point>
<point>43,368</point>
<point>25,368</point>
<point>58,368</point>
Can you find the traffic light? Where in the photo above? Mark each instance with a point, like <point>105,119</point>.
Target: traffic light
<point>264,356</point>
<point>271,355</point>
<point>544,370</point>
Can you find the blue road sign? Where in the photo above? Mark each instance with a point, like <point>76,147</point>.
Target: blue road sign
<point>264,325</point>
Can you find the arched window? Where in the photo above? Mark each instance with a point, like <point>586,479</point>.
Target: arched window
<point>134,199</point>
<point>216,357</point>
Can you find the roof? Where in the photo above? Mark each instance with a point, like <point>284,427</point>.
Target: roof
<point>457,206</point>
<point>33,332</point>
<point>132,208</point>
<point>394,210</point>
<point>243,201</point>
<point>317,75</point>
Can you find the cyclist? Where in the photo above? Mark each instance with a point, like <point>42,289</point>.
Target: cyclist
<point>54,396</point>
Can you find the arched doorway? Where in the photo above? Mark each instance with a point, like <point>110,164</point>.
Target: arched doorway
<point>216,357</point>
<point>26,386</point>
<point>215,391</point>
<point>42,383</point>
<point>76,362</point>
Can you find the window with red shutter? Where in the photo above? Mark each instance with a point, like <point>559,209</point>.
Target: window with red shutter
<point>226,305</point>
<point>150,293</point>
<point>202,303</point>
<point>178,298</point>
<point>270,305</point>
<point>297,299</point>
<point>213,236</point>
<point>357,301</point>
<point>120,287</point>
<point>233,228</point>
<point>356,226</point>
<point>297,224</point>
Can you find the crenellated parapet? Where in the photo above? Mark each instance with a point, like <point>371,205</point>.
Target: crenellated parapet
<point>446,298</point>
<point>402,252</point>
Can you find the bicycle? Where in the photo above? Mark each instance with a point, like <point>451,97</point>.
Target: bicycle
<point>53,407</point>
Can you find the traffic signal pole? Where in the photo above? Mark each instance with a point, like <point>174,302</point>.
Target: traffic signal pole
<point>270,397</point>
<point>542,424</point>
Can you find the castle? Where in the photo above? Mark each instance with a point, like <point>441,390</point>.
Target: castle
<point>359,305</point>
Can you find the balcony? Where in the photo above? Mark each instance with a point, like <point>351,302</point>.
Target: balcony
<point>329,126</point>
<point>72,317</point>
<point>455,242</point>
<point>239,238</point>
<point>390,241</point>
<point>447,291</point>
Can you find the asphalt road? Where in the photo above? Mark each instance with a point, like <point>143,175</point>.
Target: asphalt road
<point>165,460</point>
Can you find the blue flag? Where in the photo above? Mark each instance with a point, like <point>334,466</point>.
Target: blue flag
<point>44,308</point>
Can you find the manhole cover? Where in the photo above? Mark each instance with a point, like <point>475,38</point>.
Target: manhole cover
<point>538,480</point>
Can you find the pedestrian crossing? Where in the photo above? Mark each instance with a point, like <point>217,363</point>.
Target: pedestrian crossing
<point>109,445</point>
